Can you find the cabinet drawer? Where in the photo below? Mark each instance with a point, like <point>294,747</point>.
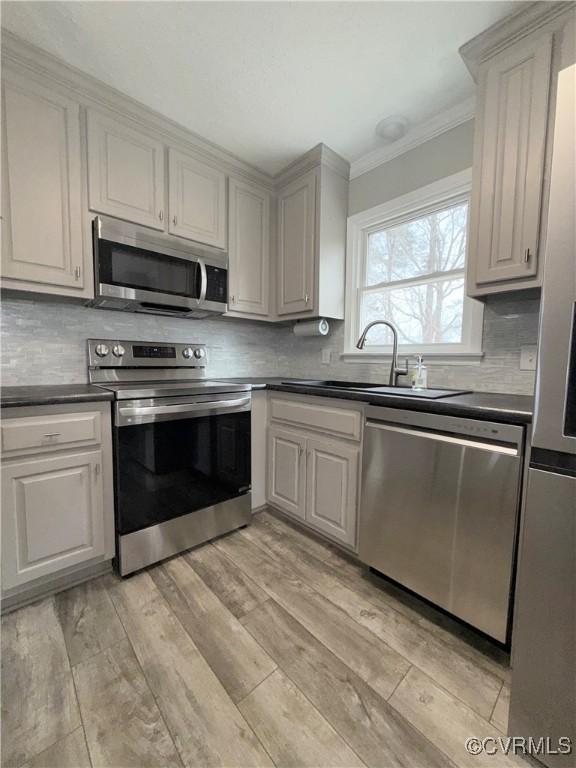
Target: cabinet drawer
<point>326,418</point>
<point>28,433</point>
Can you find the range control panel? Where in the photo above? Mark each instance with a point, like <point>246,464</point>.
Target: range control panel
<point>114,353</point>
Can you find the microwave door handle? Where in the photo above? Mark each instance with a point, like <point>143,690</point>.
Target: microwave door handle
<point>203,281</point>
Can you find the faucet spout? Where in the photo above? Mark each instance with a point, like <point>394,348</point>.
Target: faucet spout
<point>395,371</point>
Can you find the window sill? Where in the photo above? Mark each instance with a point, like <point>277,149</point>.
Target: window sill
<point>430,358</point>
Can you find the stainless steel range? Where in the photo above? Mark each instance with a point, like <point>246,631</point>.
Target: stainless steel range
<point>181,448</point>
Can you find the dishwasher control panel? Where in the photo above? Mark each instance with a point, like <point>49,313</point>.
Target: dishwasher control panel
<point>475,428</point>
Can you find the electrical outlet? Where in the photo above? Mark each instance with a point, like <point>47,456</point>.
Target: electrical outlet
<point>326,356</point>
<point>528,358</point>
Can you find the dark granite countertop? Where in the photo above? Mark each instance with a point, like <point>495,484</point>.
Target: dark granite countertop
<point>505,408</point>
<point>500,407</point>
<point>52,394</point>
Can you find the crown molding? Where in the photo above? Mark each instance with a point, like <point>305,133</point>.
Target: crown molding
<point>420,134</point>
<point>91,92</point>
<point>529,18</point>
<point>320,155</point>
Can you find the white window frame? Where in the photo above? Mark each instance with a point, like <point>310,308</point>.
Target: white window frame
<point>440,194</point>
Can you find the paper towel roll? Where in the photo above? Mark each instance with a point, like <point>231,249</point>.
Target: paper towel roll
<point>312,328</point>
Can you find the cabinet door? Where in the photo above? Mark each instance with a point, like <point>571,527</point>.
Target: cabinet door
<point>249,248</point>
<point>509,163</point>
<point>296,245</point>
<point>42,232</point>
<point>287,471</point>
<point>197,200</point>
<point>332,482</point>
<point>125,172</point>
<point>52,515</point>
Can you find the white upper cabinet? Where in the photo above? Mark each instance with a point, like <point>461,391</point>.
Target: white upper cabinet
<point>42,236</point>
<point>125,172</point>
<point>312,214</point>
<point>248,248</point>
<point>510,147</point>
<point>296,244</point>
<point>197,200</point>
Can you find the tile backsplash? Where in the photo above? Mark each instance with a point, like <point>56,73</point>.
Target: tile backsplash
<point>44,342</point>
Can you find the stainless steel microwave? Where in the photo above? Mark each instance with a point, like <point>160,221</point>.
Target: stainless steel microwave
<point>136,270</point>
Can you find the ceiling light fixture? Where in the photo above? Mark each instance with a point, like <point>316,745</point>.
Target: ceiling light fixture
<point>392,128</point>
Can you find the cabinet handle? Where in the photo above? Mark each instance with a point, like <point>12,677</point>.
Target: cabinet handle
<point>301,450</point>
<point>77,273</point>
<point>527,255</point>
<point>97,470</point>
<point>161,215</point>
<point>306,299</point>
<point>50,435</point>
<point>174,220</point>
<point>233,299</point>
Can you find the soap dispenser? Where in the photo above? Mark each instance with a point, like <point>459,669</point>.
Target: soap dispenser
<point>420,374</point>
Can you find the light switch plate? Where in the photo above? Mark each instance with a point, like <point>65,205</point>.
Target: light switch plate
<point>528,356</point>
<point>326,356</point>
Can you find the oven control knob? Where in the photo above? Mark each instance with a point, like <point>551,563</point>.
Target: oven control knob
<point>102,350</point>
<point>199,354</point>
<point>118,350</point>
<point>188,352</point>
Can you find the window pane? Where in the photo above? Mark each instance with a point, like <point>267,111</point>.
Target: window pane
<point>432,243</point>
<point>423,314</point>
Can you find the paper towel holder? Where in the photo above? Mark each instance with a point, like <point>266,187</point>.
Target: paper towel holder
<point>318,327</point>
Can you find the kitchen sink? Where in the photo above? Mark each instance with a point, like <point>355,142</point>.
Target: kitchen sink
<point>379,389</point>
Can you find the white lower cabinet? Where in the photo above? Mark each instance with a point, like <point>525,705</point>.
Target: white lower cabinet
<point>52,514</point>
<point>312,477</point>
<point>331,488</point>
<point>57,497</point>
<point>287,471</point>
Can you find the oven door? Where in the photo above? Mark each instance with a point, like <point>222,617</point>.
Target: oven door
<point>179,455</point>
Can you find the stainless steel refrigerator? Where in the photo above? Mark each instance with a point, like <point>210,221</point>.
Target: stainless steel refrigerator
<point>543,694</point>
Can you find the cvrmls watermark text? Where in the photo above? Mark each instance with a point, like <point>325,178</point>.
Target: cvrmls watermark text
<point>519,745</point>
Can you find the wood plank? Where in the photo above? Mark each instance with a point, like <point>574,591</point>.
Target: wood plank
<point>374,729</point>
<point>369,657</point>
<point>238,593</point>
<point>38,699</point>
<point>456,672</point>
<point>69,752</point>
<point>294,733</point>
<point>501,709</point>
<point>312,544</point>
<point>88,620</point>
<point>122,721</point>
<point>207,728</point>
<point>446,721</point>
<point>447,629</point>
<point>235,657</point>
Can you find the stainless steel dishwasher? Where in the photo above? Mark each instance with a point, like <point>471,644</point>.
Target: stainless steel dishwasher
<point>439,510</point>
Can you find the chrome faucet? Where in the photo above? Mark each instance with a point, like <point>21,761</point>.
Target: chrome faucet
<point>395,371</point>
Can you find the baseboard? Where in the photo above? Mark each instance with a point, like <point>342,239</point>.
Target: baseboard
<point>24,595</point>
<point>312,532</point>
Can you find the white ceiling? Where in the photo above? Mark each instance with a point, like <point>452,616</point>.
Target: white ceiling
<point>269,80</point>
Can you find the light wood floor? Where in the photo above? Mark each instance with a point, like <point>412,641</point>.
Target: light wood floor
<point>265,647</point>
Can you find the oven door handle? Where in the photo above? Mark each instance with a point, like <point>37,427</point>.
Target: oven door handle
<point>127,415</point>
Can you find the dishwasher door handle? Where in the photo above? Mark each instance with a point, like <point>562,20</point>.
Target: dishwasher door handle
<point>483,445</point>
